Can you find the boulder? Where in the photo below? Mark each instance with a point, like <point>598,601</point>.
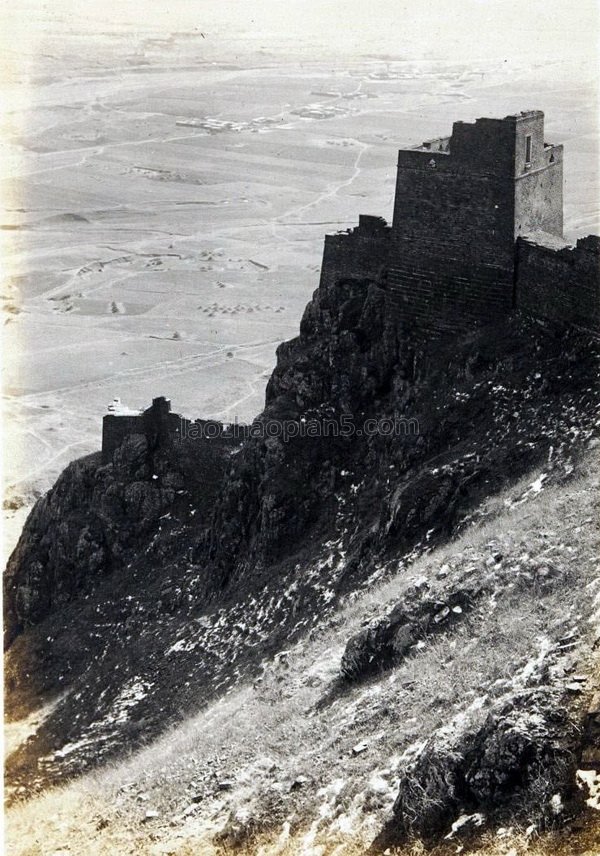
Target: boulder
<point>520,761</point>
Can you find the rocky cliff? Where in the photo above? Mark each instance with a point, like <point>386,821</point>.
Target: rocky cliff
<point>144,589</point>
<point>97,518</point>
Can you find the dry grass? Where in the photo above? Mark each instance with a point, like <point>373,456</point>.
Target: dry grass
<point>263,738</point>
<point>67,822</point>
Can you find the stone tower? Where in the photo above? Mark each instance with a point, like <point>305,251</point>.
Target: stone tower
<point>461,203</point>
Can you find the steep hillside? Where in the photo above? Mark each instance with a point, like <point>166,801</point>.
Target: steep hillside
<point>466,727</point>
<point>160,584</point>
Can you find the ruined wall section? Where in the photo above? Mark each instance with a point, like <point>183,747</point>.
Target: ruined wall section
<point>562,286</point>
<point>157,424</point>
<point>361,254</point>
<point>115,429</point>
<point>161,428</point>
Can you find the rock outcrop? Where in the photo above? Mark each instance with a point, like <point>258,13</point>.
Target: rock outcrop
<point>98,518</point>
<point>524,753</point>
<point>384,642</point>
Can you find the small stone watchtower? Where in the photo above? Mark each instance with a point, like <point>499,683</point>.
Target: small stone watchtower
<point>157,424</point>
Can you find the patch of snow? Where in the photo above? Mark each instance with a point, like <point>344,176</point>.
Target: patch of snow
<point>412,752</point>
<point>533,665</point>
<point>590,779</point>
<point>182,645</point>
<point>537,485</point>
<point>129,697</point>
<point>377,783</point>
<point>69,748</point>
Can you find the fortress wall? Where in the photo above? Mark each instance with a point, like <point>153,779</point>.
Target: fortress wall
<point>156,424</point>
<point>160,427</point>
<point>446,208</point>
<point>362,253</point>
<point>560,285</point>
<point>539,181</point>
<point>114,431</point>
<point>440,298</point>
<point>487,145</point>
<point>459,205</point>
<point>452,257</point>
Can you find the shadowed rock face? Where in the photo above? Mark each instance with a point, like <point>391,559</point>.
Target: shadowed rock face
<point>353,362</point>
<point>238,515</point>
<point>97,518</point>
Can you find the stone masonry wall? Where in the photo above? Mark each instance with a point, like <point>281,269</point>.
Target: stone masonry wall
<point>446,208</point>
<point>453,247</point>
<point>156,424</point>
<point>459,205</point>
<point>539,183</point>
<point>560,285</point>
<point>114,431</point>
<point>362,253</point>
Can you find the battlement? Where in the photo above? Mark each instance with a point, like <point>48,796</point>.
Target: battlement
<point>513,146</point>
<point>359,253</point>
<point>369,226</point>
<point>160,427</point>
<point>476,236</point>
<point>441,145</point>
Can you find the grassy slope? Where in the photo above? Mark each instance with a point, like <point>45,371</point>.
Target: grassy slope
<point>276,767</point>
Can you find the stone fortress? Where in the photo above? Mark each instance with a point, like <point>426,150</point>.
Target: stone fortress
<point>158,424</point>
<point>477,235</point>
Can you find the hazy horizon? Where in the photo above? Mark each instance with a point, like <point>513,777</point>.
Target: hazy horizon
<point>472,30</point>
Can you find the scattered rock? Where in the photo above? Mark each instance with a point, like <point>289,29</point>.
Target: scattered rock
<point>151,814</point>
<point>466,823</point>
<point>190,809</point>
<point>442,614</point>
<point>386,641</point>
